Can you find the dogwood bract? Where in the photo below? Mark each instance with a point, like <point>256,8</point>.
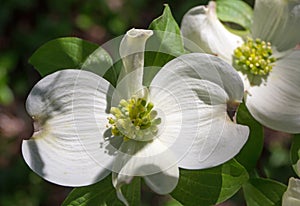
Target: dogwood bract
<point>292,195</point>
<point>267,60</point>
<point>85,128</point>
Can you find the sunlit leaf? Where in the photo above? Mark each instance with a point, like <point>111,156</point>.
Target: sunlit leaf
<point>62,53</point>
<point>74,53</point>
<point>100,62</point>
<point>167,24</point>
<point>264,192</point>
<point>103,193</point>
<point>235,12</point>
<point>164,45</point>
<point>251,151</point>
<point>210,186</point>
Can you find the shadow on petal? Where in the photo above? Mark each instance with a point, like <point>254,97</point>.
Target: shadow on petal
<point>37,163</point>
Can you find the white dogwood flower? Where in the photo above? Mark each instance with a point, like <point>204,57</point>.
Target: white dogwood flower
<point>267,61</point>
<point>85,128</point>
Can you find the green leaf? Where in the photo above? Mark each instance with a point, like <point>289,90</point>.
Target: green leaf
<point>167,25</point>
<point>234,175</point>
<point>264,192</point>
<point>164,45</point>
<point>235,12</point>
<point>251,151</point>
<point>101,63</point>
<point>98,62</point>
<point>113,73</point>
<point>61,53</point>
<point>295,152</point>
<point>172,202</point>
<point>210,186</point>
<point>103,193</point>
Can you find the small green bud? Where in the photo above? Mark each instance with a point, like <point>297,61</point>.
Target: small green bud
<point>254,58</point>
<point>134,119</point>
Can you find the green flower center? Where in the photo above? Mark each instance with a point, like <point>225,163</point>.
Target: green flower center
<point>134,119</point>
<point>254,57</point>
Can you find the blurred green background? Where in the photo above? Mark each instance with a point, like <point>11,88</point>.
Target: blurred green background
<point>27,24</point>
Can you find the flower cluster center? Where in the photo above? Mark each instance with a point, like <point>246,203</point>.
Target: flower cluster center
<point>134,119</point>
<point>254,57</point>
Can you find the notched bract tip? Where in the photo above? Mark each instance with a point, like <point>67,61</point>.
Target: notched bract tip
<point>37,127</point>
<point>232,107</point>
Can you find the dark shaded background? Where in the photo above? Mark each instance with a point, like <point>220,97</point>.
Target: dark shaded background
<point>26,25</point>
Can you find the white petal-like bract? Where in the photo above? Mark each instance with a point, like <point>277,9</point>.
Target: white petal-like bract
<point>194,100</point>
<point>201,25</point>
<point>276,103</point>
<point>69,108</point>
<point>152,160</point>
<point>277,21</point>
<point>132,49</point>
<point>292,196</point>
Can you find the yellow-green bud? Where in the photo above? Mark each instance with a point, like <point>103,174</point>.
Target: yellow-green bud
<point>134,119</point>
<point>254,58</point>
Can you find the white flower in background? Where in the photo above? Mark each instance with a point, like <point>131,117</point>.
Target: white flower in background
<point>292,195</point>
<point>267,61</point>
<point>85,128</point>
